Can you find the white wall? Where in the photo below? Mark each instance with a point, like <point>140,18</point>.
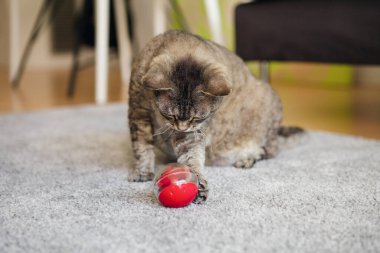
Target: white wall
<point>14,36</point>
<point>4,33</point>
<point>41,55</point>
<point>147,22</point>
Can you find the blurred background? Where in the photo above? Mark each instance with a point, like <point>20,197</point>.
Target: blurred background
<point>50,55</point>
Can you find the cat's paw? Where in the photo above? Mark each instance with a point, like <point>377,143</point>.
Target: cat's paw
<point>138,176</point>
<point>202,191</point>
<point>246,163</point>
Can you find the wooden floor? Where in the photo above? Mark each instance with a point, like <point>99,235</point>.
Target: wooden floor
<point>353,111</point>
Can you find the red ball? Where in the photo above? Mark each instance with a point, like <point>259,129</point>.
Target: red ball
<point>178,195</point>
<point>176,186</point>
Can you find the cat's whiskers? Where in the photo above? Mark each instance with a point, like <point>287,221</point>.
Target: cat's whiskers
<point>165,130</point>
<point>162,127</point>
<point>170,134</point>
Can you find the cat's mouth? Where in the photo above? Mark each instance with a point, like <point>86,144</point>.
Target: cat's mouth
<point>183,129</point>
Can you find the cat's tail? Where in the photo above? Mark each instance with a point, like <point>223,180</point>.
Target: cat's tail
<point>290,136</point>
<point>287,131</point>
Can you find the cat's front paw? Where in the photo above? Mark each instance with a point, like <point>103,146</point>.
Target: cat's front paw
<point>202,191</point>
<point>138,176</point>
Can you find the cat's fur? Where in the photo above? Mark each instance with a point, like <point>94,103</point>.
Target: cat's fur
<point>199,103</point>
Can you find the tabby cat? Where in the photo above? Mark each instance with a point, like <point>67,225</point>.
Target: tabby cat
<point>199,103</point>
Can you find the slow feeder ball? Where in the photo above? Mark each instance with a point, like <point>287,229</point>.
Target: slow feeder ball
<point>175,185</point>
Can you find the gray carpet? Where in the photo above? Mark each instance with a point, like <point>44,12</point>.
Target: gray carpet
<point>63,188</point>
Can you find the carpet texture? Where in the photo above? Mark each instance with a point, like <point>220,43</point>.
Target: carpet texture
<point>63,188</point>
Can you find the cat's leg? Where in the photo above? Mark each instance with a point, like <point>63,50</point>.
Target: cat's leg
<point>190,151</point>
<point>252,153</point>
<point>142,146</point>
<point>248,155</point>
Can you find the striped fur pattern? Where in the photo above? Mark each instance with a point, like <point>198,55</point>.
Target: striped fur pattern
<point>199,104</point>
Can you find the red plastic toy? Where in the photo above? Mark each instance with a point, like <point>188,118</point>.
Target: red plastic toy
<point>175,185</point>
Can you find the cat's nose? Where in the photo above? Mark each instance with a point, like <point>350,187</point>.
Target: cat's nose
<point>182,125</point>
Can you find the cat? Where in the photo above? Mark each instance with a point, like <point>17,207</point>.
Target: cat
<point>200,104</point>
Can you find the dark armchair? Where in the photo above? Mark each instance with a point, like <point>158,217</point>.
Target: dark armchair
<point>309,31</point>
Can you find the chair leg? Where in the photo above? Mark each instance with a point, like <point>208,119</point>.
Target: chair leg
<point>264,71</point>
<point>101,51</point>
<point>74,70</point>
<point>159,18</point>
<point>42,18</point>
<point>79,27</point>
<point>214,20</point>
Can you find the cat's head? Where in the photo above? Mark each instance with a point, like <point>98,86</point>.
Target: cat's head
<point>186,92</point>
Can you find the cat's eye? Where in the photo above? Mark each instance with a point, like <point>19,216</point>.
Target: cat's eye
<point>168,116</point>
<point>156,93</point>
<point>198,119</point>
<point>166,92</point>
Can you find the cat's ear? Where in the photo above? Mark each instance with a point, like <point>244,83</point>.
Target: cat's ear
<point>216,82</point>
<point>217,87</point>
<point>156,81</point>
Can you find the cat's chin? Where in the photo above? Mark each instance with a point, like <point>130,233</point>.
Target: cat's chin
<point>185,131</point>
